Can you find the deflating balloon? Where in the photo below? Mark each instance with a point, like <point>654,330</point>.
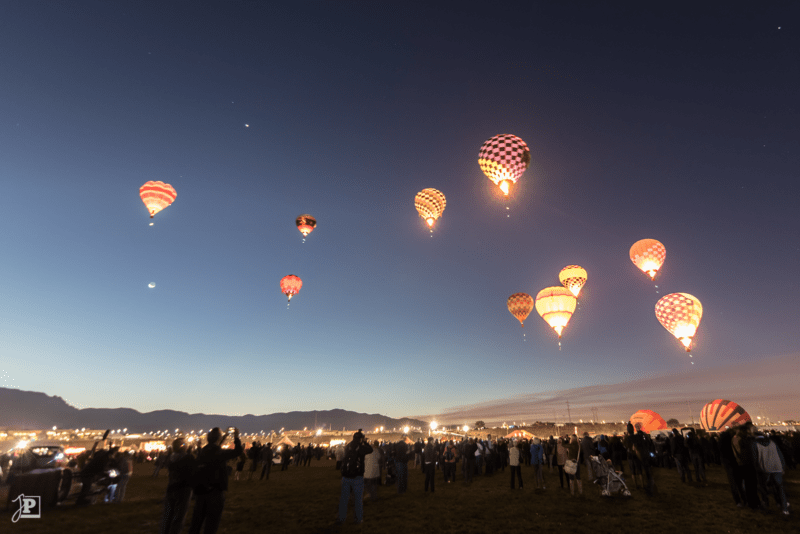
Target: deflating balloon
<point>504,158</point>
<point>157,196</point>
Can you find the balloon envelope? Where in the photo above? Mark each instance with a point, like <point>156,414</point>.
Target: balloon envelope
<point>573,277</point>
<point>556,305</point>
<point>290,285</point>
<point>680,313</point>
<point>430,204</point>
<point>306,224</point>
<point>647,421</point>
<point>520,305</point>
<point>721,414</point>
<point>648,255</point>
<point>157,196</point>
<point>504,158</point>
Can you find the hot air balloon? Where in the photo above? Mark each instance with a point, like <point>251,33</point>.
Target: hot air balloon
<point>573,277</point>
<point>520,305</point>
<point>290,285</point>
<point>504,158</point>
<point>720,414</point>
<point>306,224</point>
<point>648,255</point>
<point>680,313</point>
<point>430,204</point>
<point>647,421</point>
<point>157,196</point>
<point>556,305</point>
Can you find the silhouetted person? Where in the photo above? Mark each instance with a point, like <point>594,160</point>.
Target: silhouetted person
<point>179,488</point>
<point>211,481</point>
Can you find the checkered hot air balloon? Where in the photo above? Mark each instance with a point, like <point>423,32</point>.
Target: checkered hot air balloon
<point>680,313</point>
<point>157,196</point>
<point>556,306</point>
<point>504,158</point>
<point>647,421</point>
<point>306,224</point>
<point>721,414</point>
<point>573,277</point>
<point>290,286</point>
<point>648,255</point>
<point>520,306</point>
<point>430,204</point>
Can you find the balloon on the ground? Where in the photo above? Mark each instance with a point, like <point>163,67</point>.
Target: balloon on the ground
<point>157,196</point>
<point>680,313</point>
<point>721,414</point>
<point>573,277</point>
<point>430,204</point>
<point>648,255</point>
<point>290,286</point>
<point>520,305</point>
<point>647,421</point>
<point>306,224</point>
<point>504,158</point>
<point>556,306</point>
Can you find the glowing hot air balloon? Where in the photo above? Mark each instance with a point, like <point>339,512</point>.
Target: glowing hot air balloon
<point>648,255</point>
<point>306,224</point>
<point>290,286</point>
<point>647,421</point>
<point>720,414</point>
<point>680,313</point>
<point>430,204</point>
<point>504,158</point>
<point>573,277</point>
<point>157,196</point>
<point>520,305</point>
<point>556,305</point>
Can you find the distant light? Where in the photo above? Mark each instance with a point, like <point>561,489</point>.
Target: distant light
<point>247,126</point>
<point>434,424</point>
<point>405,430</point>
<point>151,285</point>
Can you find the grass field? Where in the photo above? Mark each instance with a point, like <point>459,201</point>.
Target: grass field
<point>305,500</point>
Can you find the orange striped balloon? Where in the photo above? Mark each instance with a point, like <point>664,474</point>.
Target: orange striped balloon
<point>306,224</point>
<point>721,414</point>
<point>520,305</point>
<point>157,196</point>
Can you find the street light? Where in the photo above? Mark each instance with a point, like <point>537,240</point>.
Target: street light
<point>405,430</point>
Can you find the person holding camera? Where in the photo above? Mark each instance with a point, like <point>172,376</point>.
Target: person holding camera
<point>211,481</point>
<point>353,476</point>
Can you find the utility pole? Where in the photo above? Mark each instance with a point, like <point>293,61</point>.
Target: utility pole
<point>569,414</point>
<point>690,411</point>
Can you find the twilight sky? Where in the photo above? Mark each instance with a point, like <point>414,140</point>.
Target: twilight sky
<point>672,122</point>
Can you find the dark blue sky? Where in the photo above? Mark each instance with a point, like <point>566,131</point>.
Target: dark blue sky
<point>673,122</point>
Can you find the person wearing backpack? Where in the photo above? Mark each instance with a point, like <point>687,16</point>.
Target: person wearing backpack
<point>353,476</point>
<point>211,481</point>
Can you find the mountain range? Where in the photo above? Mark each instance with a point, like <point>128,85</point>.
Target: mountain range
<point>31,410</point>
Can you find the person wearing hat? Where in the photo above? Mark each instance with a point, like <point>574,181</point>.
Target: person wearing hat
<point>353,476</point>
<point>211,481</point>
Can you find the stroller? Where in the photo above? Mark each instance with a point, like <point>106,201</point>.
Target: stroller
<point>611,481</point>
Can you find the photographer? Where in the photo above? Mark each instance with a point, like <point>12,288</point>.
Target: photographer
<point>353,476</point>
<point>211,481</point>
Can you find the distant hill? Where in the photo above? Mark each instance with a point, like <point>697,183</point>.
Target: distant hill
<point>34,410</point>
